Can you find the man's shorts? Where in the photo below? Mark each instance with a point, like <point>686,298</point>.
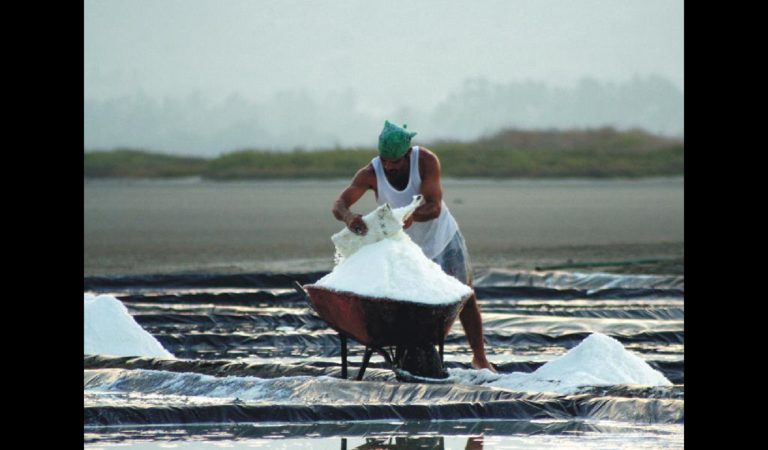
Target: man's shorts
<point>454,259</point>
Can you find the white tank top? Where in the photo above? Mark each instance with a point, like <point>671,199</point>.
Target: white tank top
<point>433,235</point>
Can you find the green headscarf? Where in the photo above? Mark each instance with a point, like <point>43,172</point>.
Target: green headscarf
<point>394,141</point>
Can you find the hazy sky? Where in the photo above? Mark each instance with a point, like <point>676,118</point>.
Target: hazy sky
<point>363,61</point>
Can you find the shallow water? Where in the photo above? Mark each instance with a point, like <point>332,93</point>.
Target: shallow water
<point>448,435</point>
<point>258,369</point>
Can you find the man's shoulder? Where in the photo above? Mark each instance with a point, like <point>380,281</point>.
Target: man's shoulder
<point>427,157</point>
<point>368,170</point>
<point>366,175</point>
<point>425,153</point>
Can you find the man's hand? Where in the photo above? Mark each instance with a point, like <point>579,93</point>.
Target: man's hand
<point>408,222</point>
<point>357,225</point>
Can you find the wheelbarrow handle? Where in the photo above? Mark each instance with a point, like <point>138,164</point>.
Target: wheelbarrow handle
<point>300,289</point>
<point>303,292</point>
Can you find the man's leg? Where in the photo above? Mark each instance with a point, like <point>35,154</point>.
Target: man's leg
<point>473,328</point>
<point>454,261</point>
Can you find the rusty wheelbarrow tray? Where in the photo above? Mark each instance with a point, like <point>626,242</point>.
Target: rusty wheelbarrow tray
<point>382,322</point>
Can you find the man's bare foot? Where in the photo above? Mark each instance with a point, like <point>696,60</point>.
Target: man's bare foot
<point>484,364</point>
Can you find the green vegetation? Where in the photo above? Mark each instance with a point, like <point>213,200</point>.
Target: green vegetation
<point>511,153</point>
<point>123,163</point>
<point>296,164</point>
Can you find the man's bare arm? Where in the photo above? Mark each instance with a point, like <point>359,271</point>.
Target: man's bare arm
<point>431,189</point>
<point>349,196</point>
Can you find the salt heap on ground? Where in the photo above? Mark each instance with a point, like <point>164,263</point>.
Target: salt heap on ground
<point>110,330</point>
<point>392,266</point>
<point>598,360</point>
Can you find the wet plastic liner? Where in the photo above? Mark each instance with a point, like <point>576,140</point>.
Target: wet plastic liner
<point>584,406</point>
<point>199,325</point>
<point>226,432</point>
<point>488,283</point>
<point>674,371</point>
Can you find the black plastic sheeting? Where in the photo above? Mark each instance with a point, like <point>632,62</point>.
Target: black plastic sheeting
<point>275,340</point>
<point>226,298</point>
<point>240,321</point>
<point>146,387</point>
<point>406,430</point>
<point>524,314</point>
<point>310,320</point>
<point>608,408</point>
<point>166,281</point>
<point>522,292</point>
<point>563,282</point>
<point>279,344</point>
<point>673,370</point>
<point>576,280</point>
<point>499,292</point>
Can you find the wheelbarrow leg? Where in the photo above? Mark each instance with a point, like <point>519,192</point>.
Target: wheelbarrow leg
<point>343,356</point>
<point>442,340</point>
<point>366,358</point>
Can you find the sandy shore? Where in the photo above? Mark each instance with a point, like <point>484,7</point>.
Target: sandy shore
<point>163,226</point>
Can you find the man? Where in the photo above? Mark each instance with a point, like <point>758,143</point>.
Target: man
<point>395,176</point>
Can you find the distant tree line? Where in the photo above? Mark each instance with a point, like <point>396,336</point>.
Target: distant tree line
<point>603,152</point>
<point>199,125</point>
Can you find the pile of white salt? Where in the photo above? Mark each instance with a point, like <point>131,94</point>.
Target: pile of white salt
<point>598,360</point>
<point>382,222</point>
<point>393,267</point>
<point>109,329</point>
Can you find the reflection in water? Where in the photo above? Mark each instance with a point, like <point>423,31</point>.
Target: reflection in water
<point>412,443</point>
<point>452,435</point>
<point>384,431</point>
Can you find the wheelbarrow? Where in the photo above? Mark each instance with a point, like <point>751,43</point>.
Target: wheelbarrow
<point>405,333</point>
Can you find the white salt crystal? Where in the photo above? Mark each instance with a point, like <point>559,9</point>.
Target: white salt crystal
<point>598,360</point>
<point>382,223</point>
<point>109,329</point>
<point>395,268</point>
<point>386,263</point>
<point>601,360</point>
